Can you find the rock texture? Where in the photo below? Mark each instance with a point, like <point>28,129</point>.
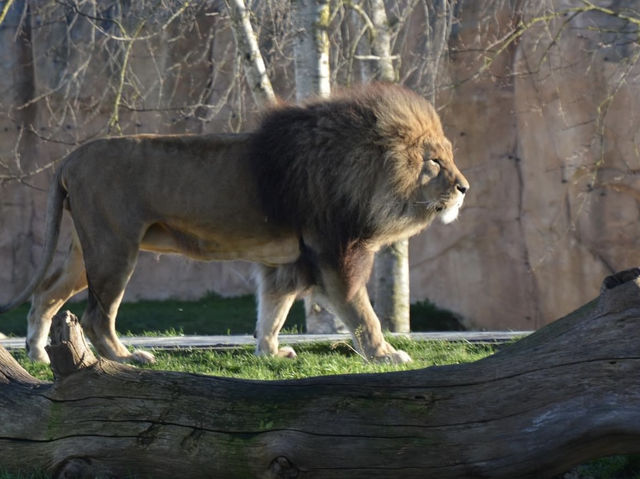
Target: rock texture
<point>545,129</point>
<point>548,141</point>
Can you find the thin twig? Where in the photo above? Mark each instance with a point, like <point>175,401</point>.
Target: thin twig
<point>5,10</point>
<point>114,121</point>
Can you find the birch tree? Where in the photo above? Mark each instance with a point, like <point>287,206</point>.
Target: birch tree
<point>391,270</point>
<point>312,75</point>
<point>311,48</point>
<point>311,60</point>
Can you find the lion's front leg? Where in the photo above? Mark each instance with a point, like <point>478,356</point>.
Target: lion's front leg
<point>356,312</point>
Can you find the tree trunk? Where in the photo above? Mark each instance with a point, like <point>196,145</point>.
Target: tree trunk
<point>381,42</point>
<point>311,48</point>
<point>319,320</point>
<point>311,58</point>
<point>391,272</point>
<point>564,395</point>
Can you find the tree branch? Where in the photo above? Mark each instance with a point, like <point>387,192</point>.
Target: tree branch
<point>249,51</point>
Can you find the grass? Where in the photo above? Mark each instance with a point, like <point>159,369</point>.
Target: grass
<point>213,315</point>
<point>25,475</point>
<point>209,315</point>
<point>314,359</point>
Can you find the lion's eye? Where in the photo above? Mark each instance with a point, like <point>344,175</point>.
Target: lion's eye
<point>436,161</point>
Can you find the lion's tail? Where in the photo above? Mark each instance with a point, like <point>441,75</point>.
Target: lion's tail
<point>55,201</point>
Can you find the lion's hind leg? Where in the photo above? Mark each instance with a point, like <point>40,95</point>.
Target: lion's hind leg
<point>66,281</point>
<point>108,274</point>
<point>98,323</point>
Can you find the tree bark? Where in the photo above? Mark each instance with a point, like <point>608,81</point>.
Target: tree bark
<point>311,48</point>
<point>311,59</point>
<point>319,320</point>
<point>566,394</point>
<point>391,271</point>
<point>381,42</point>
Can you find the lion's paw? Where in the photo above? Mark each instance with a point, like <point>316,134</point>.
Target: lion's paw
<point>395,357</point>
<point>39,355</point>
<point>287,352</point>
<point>141,357</point>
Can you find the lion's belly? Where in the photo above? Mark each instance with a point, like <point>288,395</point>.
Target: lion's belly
<point>267,249</point>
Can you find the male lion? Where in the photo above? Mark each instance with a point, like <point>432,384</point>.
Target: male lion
<point>310,196</point>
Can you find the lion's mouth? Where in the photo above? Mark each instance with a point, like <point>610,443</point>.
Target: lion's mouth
<point>449,213</point>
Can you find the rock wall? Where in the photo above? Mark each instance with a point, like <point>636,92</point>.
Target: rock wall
<point>548,139</point>
<point>544,127</point>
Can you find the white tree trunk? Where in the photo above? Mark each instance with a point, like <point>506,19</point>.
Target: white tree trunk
<point>391,292</point>
<point>438,23</point>
<point>249,51</point>
<point>311,58</point>
<point>381,42</point>
<point>311,48</point>
<point>391,272</point>
<point>319,320</point>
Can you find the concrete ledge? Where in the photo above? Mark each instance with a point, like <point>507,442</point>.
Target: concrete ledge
<point>227,342</point>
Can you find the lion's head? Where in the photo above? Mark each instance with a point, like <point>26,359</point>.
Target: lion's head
<point>371,165</point>
<point>418,157</point>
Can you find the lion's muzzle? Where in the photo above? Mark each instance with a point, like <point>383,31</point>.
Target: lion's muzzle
<point>452,207</point>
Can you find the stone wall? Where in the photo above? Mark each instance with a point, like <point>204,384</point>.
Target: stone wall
<point>545,132</point>
<point>549,141</point>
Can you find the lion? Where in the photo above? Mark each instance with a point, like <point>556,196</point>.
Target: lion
<point>309,196</point>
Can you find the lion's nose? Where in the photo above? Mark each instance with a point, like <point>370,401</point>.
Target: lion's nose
<point>462,188</point>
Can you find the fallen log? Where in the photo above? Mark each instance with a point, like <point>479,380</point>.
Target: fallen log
<point>564,395</point>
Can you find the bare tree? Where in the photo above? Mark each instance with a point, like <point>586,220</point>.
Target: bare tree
<point>312,78</point>
<point>391,271</point>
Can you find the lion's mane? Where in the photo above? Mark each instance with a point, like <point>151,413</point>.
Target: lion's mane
<point>334,166</point>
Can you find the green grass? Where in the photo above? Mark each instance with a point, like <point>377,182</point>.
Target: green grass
<point>209,315</point>
<point>614,467</point>
<point>24,475</point>
<point>213,315</point>
<point>314,359</point>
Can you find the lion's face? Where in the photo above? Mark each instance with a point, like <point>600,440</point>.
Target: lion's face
<point>442,187</point>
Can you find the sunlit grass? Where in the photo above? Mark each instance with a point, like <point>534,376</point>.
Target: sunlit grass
<point>314,359</point>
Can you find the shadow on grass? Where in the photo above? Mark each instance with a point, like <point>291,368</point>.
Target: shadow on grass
<point>214,314</point>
